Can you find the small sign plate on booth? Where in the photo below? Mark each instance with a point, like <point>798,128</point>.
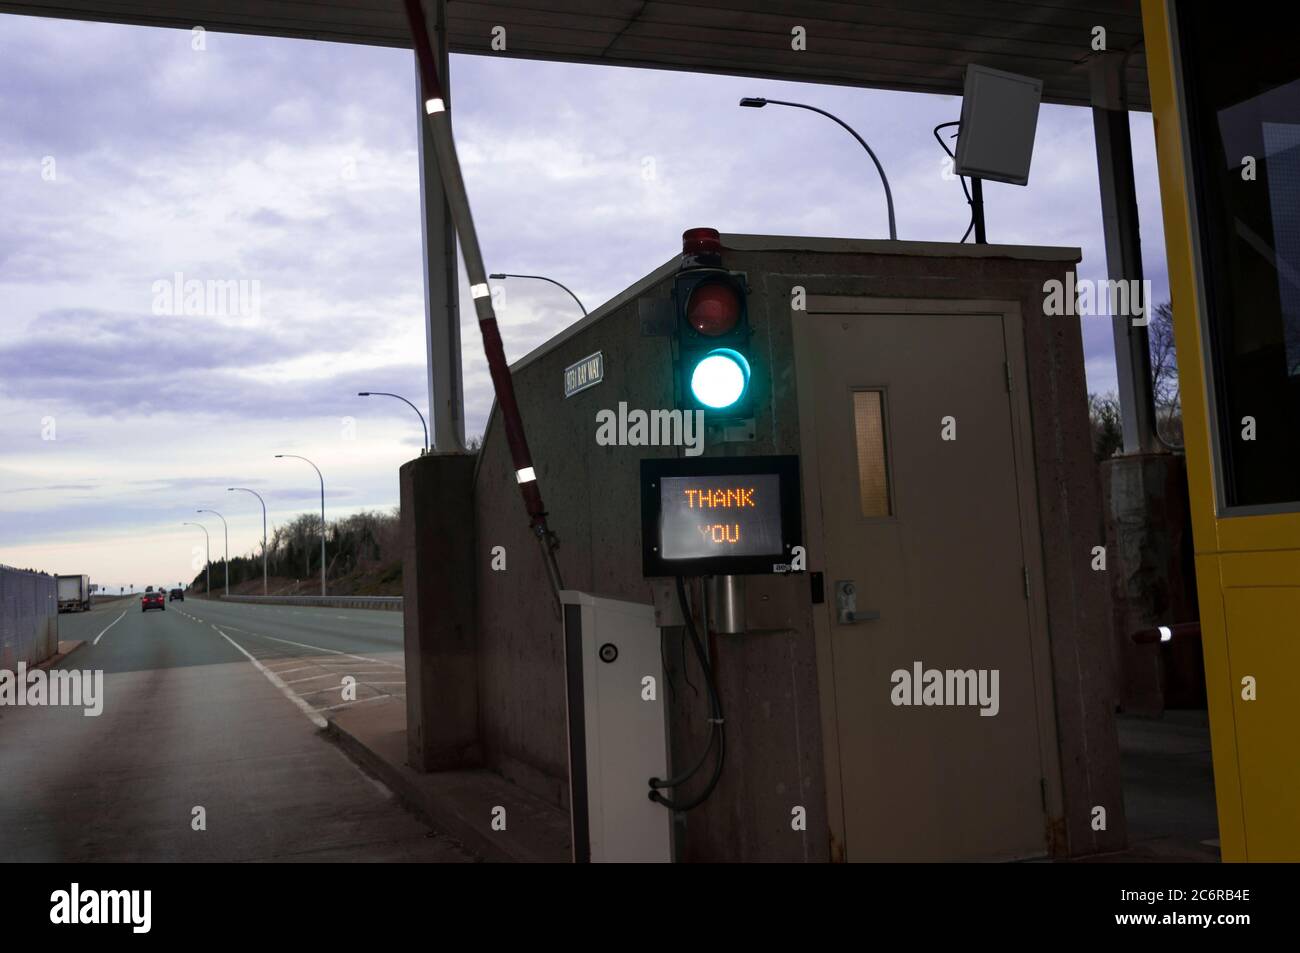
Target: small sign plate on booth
<point>588,372</point>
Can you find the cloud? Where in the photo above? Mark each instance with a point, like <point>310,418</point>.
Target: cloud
<point>58,488</point>
<point>295,164</point>
<point>124,364</point>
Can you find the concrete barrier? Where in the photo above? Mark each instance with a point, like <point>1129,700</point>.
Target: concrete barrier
<point>391,603</point>
<point>29,617</point>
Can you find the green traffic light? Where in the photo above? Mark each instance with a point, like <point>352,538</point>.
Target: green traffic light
<point>720,379</point>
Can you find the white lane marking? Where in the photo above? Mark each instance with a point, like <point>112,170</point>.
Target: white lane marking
<point>319,648</point>
<point>346,665</point>
<point>336,675</point>
<point>274,679</point>
<point>346,704</point>
<point>109,626</point>
<point>290,671</point>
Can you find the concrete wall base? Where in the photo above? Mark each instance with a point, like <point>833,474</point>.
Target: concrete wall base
<point>438,607</point>
<point>1150,567</point>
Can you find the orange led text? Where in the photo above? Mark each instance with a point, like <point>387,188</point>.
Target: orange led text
<point>712,499</point>
<point>720,533</point>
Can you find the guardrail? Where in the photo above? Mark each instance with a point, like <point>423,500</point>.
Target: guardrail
<point>391,603</point>
<point>29,617</point>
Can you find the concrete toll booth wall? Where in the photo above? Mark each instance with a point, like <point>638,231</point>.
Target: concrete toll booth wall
<point>775,695</point>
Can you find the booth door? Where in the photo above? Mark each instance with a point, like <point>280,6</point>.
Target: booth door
<point>917,481</point>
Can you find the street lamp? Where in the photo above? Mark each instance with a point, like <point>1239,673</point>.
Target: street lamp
<point>207,551</point>
<point>379,393</point>
<point>499,276</point>
<point>265,589</point>
<point>758,102</point>
<point>227,528</point>
<point>280,456</point>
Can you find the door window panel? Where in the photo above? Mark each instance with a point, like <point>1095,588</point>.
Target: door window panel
<point>873,471</point>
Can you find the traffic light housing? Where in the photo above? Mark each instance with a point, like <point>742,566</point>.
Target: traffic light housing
<point>712,333</point>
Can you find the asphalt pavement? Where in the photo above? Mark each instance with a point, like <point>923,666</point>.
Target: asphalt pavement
<point>209,746</point>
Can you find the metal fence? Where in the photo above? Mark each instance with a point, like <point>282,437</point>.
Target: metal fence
<point>29,617</point>
<point>393,603</point>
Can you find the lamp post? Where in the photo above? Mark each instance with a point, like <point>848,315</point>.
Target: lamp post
<point>758,102</point>
<point>280,456</point>
<point>501,275</point>
<point>265,588</point>
<point>207,552</point>
<point>227,530</point>
<point>424,448</point>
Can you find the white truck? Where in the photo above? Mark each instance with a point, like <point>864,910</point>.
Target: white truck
<point>74,593</point>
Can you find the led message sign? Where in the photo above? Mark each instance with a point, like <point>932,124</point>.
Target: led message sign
<point>737,515</point>
<point>716,515</point>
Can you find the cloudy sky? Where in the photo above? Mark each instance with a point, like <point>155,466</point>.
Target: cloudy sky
<point>128,157</point>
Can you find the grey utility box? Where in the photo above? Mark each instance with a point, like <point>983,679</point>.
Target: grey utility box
<point>617,734</point>
<point>999,115</point>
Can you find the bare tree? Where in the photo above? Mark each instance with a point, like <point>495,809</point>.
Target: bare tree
<point>1103,415</point>
<point>1164,375</point>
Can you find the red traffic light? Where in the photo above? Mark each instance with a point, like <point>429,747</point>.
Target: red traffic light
<point>713,308</point>
<point>701,241</point>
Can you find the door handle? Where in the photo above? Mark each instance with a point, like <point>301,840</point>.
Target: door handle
<point>848,618</point>
<point>846,604</point>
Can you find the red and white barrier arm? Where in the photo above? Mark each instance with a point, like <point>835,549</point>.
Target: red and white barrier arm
<point>436,113</point>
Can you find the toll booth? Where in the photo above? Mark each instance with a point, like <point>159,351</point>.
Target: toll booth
<point>928,676</point>
<point>1225,94</point>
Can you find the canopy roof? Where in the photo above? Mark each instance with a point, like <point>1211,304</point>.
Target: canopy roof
<point>920,45</point>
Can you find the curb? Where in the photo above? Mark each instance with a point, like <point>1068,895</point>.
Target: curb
<point>59,655</point>
<point>457,803</point>
<point>446,821</point>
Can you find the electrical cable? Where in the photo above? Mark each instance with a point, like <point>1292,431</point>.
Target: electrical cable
<point>715,707</point>
<point>686,671</point>
<point>663,664</point>
<point>681,638</point>
<point>717,731</point>
<point>961,178</point>
<point>689,804</point>
<point>656,783</point>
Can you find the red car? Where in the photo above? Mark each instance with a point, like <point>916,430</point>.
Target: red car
<point>152,600</point>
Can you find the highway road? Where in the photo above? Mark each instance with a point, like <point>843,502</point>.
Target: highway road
<point>217,707</point>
